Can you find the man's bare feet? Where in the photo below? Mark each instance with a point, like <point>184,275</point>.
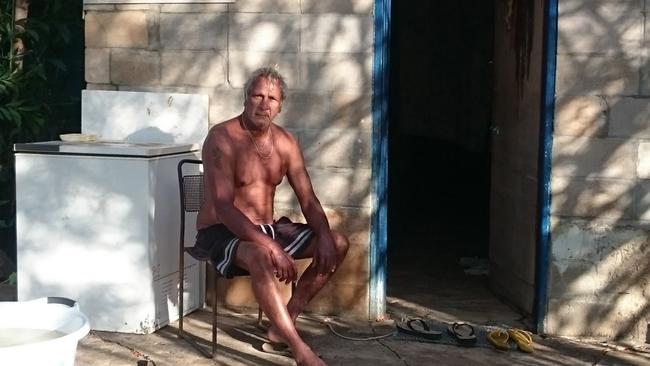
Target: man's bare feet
<point>273,335</point>
<point>310,359</point>
<point>302,353</point>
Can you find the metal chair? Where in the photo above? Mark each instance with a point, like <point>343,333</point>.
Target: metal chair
<point>191,195</point>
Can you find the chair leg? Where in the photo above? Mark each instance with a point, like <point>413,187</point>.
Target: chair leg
<point>199,343</point>
<point>214,314</point>
<point>181,292</point>
<point>259,316</point>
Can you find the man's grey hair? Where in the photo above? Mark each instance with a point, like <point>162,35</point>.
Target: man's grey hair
<point>270,73</point>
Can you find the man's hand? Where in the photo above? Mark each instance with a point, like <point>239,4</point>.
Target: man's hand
<point>325,258</point>
<point>285,267</point>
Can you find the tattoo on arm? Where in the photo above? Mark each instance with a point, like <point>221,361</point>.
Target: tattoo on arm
<point>217,157</point>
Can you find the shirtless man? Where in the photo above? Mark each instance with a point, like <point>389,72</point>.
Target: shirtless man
<point>244,159</point>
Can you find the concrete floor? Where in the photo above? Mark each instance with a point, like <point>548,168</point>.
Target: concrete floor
<point>453,298</point>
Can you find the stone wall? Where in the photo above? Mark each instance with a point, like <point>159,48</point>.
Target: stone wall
<point>325,50</point>
<point>599,271</point>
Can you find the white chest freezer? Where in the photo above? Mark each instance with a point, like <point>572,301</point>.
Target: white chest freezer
<point>99,223</point>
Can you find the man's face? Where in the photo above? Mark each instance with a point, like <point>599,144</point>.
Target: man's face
<point>263,103</point>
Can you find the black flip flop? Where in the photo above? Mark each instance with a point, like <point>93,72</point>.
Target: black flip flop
<point>419,328</point>
<point>464,332</point>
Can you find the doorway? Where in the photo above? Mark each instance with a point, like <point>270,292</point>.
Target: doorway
<point>440,161</point>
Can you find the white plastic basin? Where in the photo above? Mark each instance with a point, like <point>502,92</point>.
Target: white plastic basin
<point>42,332</point>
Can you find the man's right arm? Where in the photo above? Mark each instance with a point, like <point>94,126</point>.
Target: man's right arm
<point>219,169</point>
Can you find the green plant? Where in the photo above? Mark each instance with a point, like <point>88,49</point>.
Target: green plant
<point>21,114</point>
<point>39,95</point>
<point>12,280</point>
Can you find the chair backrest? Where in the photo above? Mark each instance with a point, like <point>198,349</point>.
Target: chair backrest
<point>191,194</point>
<point>191,187</point>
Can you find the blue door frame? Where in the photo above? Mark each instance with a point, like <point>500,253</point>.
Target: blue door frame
<point>545,160</point>
<point>379,190</point>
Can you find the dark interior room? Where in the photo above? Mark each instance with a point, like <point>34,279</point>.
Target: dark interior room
<point>439,153</point>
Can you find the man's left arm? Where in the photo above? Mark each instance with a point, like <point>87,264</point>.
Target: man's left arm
<point>325,258</point>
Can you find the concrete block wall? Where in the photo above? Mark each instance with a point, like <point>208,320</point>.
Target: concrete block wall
<point>599,272</point>
<point>324,48</point>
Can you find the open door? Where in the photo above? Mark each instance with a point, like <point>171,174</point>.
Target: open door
<point>518,47</point>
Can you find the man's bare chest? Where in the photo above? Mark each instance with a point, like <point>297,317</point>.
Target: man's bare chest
<point>253,170</point>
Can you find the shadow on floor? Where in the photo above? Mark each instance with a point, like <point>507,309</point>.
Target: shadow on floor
<point>238,338</point>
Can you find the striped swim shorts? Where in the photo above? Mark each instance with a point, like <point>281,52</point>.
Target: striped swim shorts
<point>219,245</point>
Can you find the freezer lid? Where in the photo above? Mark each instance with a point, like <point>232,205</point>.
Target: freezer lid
<point>111,148</point>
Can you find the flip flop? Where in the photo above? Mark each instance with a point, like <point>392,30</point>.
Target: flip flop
<point>419,328</point>
<point>464,332</point>
<point>277,348</point>
<point>499,338</point>
<point>523,338</point>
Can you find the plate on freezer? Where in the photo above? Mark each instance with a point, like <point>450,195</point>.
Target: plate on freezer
<point>77,137</point>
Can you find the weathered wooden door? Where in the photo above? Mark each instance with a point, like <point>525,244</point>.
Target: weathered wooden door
<point>518,46</point>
